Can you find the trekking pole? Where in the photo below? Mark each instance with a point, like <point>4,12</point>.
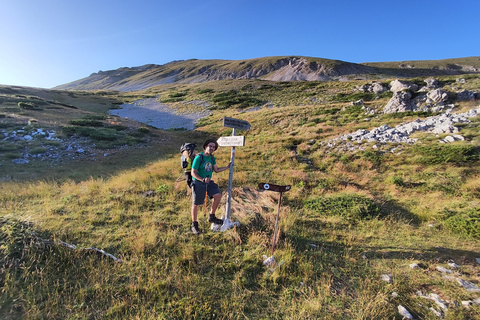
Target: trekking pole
<point>206,198</point>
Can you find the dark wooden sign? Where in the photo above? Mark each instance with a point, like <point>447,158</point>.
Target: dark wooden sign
<point>236,123</point>
<point>273,187</point>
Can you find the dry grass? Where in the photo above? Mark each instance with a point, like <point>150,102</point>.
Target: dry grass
<point>329,266</point>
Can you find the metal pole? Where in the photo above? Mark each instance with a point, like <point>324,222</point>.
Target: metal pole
<point>276,223</point>
<point>230,178</point>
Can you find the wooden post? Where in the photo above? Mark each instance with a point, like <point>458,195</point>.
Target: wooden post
<point>281,190</point>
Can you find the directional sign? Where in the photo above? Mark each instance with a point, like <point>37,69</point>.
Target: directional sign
<point>273,187</point>
<point>281,190</point>
<point>236,123</point>
<point>233,141</point>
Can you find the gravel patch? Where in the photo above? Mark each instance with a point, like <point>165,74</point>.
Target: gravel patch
<point>153,113</point>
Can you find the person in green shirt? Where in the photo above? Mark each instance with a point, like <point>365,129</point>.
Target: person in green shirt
<point>203,167</point>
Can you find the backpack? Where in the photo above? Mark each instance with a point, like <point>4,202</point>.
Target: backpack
<point>187,150</point>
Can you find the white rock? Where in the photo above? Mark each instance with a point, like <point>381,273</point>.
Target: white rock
<point>436,312</point>
<point>470,287</point>
<point>404,312</point>
<point>443,270</point>
<point>387,278</point>
<point>268,261</point>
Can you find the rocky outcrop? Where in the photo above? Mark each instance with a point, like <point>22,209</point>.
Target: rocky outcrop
<point>431,97</point>
<point>400,102</point>
<point>437,125</point>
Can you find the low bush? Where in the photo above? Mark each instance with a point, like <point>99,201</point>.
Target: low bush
<point>28,105</point>
<point>93,133</point>
<point>399,115</point>
<point>38,150</point>
<point>232,98</point>
<point>375,157</point>
<point>447,153</point>
<point>466,224</point>
<point>343,97</point>
<point>203,91</point>
<point>398,181</point>
<point>143,130</point>
<point>86,122</point>
<point>350,206</point>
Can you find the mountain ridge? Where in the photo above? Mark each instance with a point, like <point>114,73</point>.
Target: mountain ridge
<point>277,68</point>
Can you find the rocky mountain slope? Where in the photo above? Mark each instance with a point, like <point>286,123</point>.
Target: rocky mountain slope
<point>292,68</point>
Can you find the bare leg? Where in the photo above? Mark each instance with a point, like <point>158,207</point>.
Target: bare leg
<point>194,212</point>
<point>216,201</point>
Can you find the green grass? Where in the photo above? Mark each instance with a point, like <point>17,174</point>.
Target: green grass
<point>348,219</point>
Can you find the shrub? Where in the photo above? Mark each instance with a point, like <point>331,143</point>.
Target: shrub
<point>342,97</point>
<point>398,181</point>
<point>86,122</point>
<point>143,130</point>
<point>38,150</point>
<point>232,98</point>
<point>103,134</point>
<point>466,224</point>
<point>399,115</point>
<point>325,111</point>
<point>27,105</point>
<point>162,189</point>
<point>448,153</point>
<point>350,206</point>
<point>175,97</point>
<point>93,133</point>
<point>375,157</point>
<point>203,91</point>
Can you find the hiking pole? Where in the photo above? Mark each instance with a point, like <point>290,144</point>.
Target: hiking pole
<point>206,198</point>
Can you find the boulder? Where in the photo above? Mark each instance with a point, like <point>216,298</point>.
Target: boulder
<point>437,96</point>
<point>465,95</point>
<point>431,83</point>
<point>374,87</point>
<point>377,88</point>
<point>400,102</point>
<point>397,85</point>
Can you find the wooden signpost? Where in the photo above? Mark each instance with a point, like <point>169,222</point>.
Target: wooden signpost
<point>281,190</point>
<point>232,141</point>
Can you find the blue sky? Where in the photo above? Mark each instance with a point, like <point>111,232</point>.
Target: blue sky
<point>51,42</point>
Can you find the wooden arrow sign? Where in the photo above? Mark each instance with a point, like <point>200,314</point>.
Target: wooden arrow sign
<point>273,187</point>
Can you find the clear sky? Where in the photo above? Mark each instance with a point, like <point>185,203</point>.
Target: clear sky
<point>45,43</point>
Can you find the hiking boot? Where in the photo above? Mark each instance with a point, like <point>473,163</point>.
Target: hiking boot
<point>195,228</point>
<point>215,220</point>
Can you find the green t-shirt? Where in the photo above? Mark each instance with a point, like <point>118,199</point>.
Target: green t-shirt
<point>204,167</point>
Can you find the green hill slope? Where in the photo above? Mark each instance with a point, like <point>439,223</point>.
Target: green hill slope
<point>288,68</point>
<point>361,233</point>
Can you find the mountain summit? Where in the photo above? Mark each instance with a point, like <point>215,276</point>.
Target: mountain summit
<point>289,68</point>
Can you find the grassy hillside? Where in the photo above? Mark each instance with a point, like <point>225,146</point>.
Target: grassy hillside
<point>349,219</point>
<point>280,68</point>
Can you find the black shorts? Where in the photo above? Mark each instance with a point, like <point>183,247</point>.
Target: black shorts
<point>198,193</point>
